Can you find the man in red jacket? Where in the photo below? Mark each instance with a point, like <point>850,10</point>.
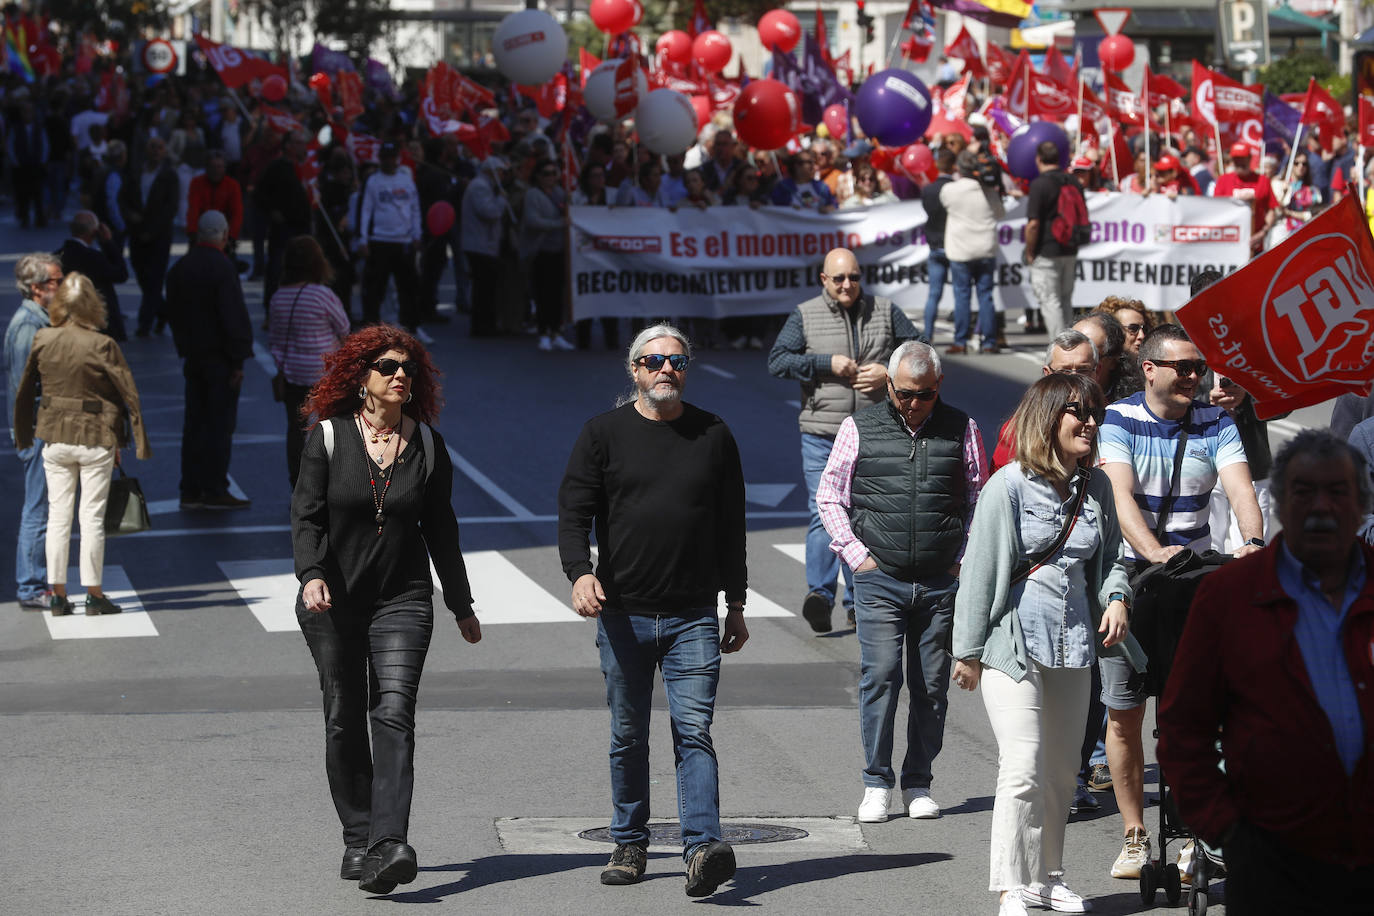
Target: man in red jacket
<point>1278,653</point>
<point>215,190</point>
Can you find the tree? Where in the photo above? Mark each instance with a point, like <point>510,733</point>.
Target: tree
<point>282,18</point>
<point>1290,73</point>
<point>663,15</point>
<point>358,23</point>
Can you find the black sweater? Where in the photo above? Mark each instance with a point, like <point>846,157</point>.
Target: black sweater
<point>668,504</point>
<point>334,534</point>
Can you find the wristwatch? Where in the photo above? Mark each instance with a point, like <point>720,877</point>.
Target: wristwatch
<point>1123,598</point>
<point>1258,542</point>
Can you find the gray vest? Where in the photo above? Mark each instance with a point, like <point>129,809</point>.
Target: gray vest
<point>825,400</point>
<point>909,495</point>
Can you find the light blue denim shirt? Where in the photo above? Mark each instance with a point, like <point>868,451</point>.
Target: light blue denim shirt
<point>1052,603</point>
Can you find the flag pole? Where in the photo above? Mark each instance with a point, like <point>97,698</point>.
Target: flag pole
<point>1145,122</point>
<point>1292,158</point>
<point>1111,143</point>
<point>1078,140</point>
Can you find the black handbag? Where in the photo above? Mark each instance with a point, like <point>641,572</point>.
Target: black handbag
<point>126,511</point>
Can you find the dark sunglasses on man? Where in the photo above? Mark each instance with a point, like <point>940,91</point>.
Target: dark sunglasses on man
<point>907,395</point>
<point>654,361</point>
<point>1196,367</point>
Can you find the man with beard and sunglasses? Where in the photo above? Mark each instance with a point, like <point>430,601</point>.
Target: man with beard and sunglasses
<point>661,481</point>
<point>1276,656</point>
<point>1163,511</point>
<point>897,497</point>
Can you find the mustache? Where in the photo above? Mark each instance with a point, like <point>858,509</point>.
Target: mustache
<point>1319,524</point>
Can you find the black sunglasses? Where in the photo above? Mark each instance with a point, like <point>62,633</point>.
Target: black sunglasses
<point>1097,414</point>
<point>1133,329</point>
<point>1183,366</point>
<point>839,279</point>
<point>389,366</point>
<point>654,361</point>
<point>920,394</point>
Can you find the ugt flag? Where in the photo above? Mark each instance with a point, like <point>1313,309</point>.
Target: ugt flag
<point>1295,326</point>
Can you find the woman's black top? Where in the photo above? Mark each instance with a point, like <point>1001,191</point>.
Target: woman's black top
<point>334,529</point>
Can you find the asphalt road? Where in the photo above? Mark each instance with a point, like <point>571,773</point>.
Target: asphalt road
<point>169,760</point>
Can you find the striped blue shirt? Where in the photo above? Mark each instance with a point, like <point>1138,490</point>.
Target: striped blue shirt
<point>1134,435</point>
<point>1319,634</point>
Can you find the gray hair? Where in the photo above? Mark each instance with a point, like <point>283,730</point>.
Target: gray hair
<point>212,227</point>
<point>32,269</point>
<point>114,151</point>
<point>1111,329</point>
<point>84,223</point>
<point>1323,445</point>
<point>920,357</point>
<point>1069,339</point>
<point>653,333</point>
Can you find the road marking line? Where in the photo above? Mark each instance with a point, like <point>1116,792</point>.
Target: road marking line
<point>795,405</point>
<point>768,494</point>
<point>134,621</point>
<point>489,486</point>
<point>502,593</point>
<point>269,589</point>
<point>795,551</point>
<point>263,357</point>
<point>716,370</point>
<point>755,605</point>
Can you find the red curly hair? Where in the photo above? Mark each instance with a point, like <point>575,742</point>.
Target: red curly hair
<point>346,367</point>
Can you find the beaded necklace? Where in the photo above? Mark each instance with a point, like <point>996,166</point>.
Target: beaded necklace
<point>384,433</point>
<point>374,470</point>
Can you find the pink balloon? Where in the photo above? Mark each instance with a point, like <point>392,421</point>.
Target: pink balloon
<point>918,161</point>
<point>439,219</point>
<point>614,16</point>
<point>767,114</point>
<point>779,30</point>
<point>712,50</point>
<point>836,120</point>
<point>274,88</point>
<point>702,104</point>
<point>674,46</point>
<point>1116,52</point>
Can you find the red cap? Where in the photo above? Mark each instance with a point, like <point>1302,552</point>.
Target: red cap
<point>1082,163</point>
<point>1240,151</point>
<point>1167,164</point>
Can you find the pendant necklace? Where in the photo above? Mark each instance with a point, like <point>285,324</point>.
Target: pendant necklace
<point>376,432</point>
<point>374,471</point>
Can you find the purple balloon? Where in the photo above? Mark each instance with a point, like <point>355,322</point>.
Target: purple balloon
<point>1021,147</point>
<point>893,107</point>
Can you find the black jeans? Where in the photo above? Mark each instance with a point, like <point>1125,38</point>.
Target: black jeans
<point>433,259</point>
<point>384,261</point>
<point>547,287</point>
<point>28,193</point>
<point>295,428</point>
<point>149,261</point>
<point>207,429</point>
<point>486,274</point>
<point>1265,876</point>
<point>370,665</point>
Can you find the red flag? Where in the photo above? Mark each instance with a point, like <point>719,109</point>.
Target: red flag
<point>1123,104</point>
<point>1366,121</point>
<point>1319,109</point>
<point>1292,326</point>
<point>350,88</point>
<point>236,68</point>
<point>324,91</point>
<point>954,97</point>
<point>1093,108</point>
<point>699,21</point>
<point>1032,95</point>
<point>1236,110</point>
<point>1125,160</point>
<point>1163,89</point>
<point>966,49</point>
<point>999,65</point>
<point>363,147</point>
<point>281,121</point>
<point>586,63</point>
<point>626,93</point>
<point>822,40</point>
<point>1060,69</point>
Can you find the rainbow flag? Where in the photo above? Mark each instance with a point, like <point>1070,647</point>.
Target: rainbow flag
<point>16,51</point>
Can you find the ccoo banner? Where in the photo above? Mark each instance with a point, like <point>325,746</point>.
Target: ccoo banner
<point>724,261</point>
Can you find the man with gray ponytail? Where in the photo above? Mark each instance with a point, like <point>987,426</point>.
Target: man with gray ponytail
<point>660,480</point>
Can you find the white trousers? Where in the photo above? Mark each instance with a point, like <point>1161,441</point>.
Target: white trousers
<point>1039,729</point>
<point>63,465</point>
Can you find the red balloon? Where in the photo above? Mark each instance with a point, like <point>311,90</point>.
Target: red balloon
<point>274,88</point>
<point>615,16</point>
<point>779,30</point>
<point>320,82</point>
<point>439,219</point>
<point>883,159</point>
<point>702,104</point>
<point>675,46</point>
<point>836,120</point>
<point>1116,52</point>
<point>919,162</point>
<point>767,114</point>
<point>712,50</point>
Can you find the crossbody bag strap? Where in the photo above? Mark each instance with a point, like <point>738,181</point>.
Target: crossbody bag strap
<point>1167,503</point>
<point>1039,560</point>
<point>290,322</point>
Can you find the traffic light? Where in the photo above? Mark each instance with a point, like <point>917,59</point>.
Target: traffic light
<point>865,21</point>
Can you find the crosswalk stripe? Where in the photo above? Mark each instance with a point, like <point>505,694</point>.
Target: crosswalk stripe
<point>269,589</point>
<point>795,551</point>
<point>134,621</point>
<point>504,594</point>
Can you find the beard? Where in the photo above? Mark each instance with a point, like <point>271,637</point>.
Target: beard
<point>667,393</point>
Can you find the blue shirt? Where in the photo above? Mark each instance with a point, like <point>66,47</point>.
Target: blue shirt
<point>1318,631</point>
<point>1133,435</point>
<point>27,320</point>
<point>1052,603</point>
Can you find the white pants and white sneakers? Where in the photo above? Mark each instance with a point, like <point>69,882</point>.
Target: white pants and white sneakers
<point>1039,728</point>
<point>64,464</point>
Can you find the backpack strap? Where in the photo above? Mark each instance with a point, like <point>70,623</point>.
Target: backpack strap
<point>327,427</point>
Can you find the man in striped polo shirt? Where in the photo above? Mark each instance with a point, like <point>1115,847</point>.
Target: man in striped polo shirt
<point>1138,444</point>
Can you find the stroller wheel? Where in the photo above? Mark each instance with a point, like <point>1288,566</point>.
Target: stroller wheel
<point>1197,902</point>
<point>1172,883</point>
<point>1149,881</point>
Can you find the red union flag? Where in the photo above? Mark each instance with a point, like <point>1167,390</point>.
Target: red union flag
<point>966,49</point>
<point>999,65</point>
<point>236,68</point>
<point>1235,109</point>
<point>1122,102</point>
<point>626,92</point>
<point>1295,326</point>
<point>1323,111</point>
<point>1031,95</point>
<point>1366,121</point>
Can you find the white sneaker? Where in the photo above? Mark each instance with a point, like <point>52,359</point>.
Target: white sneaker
<point>1135,852</point>
<point>545,343</point>
<point>873,809</point>
<point>1056,896</point>
<point>918,803</point>
<point>561,343</point>
<point>1185,862</point>
<point>1012,904</point>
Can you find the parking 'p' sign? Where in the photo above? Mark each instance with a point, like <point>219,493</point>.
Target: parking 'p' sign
<point>159,56</point>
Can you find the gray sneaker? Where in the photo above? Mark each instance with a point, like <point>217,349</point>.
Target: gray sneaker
<point>626,865</point>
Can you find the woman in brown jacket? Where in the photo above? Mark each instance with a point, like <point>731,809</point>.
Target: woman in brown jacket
<point>88,405</point>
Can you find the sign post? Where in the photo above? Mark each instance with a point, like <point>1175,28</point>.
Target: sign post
<point>1244,33</point>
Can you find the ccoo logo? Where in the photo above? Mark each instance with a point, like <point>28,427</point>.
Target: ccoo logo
<point>1318,313</point>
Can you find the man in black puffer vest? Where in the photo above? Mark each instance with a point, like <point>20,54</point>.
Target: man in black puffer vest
<point>897,497</point>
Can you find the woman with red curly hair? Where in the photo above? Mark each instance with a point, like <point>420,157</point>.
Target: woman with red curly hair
<point>370,511</point>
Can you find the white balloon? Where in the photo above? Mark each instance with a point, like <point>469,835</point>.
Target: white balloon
<point>599,93</point>
<point>530,47</point>
<point>666,122</point>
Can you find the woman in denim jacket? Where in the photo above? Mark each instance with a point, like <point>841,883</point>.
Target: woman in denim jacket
<point>1030,639</point>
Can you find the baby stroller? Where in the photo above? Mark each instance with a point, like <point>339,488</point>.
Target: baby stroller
<point>1163,593</point>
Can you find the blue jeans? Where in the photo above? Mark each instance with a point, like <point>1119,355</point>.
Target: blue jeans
<point>687,649</point>
<point>892,614</point>
<point>823,566</point>
<point>1094,749</point>
<point>936,269</point>
<point>31,559</point>
<point>966,275</point>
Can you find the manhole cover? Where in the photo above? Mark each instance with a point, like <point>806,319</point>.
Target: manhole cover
<point>735,834</point>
